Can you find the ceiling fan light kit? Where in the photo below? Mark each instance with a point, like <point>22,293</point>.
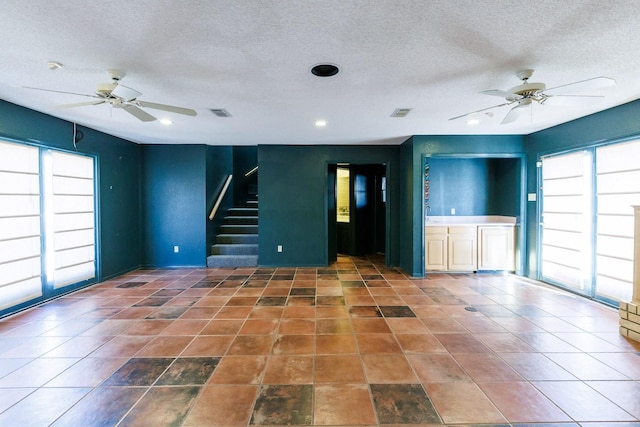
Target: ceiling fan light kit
<point>526,93</point>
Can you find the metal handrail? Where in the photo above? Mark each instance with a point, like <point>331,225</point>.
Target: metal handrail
<point>220,197</point>
<point>251,172</point>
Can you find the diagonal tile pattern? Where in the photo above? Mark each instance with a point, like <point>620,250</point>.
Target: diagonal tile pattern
<point>352,344</point>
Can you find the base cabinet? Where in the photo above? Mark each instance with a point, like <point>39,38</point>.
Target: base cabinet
<point>496,248</point>
<point>470,248</point>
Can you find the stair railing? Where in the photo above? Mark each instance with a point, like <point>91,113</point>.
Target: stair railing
<point>225,187</point>
<point>251,172</point>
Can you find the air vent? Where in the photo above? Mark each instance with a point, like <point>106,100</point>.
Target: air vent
<point>221,112</point>
<point>400,112</point>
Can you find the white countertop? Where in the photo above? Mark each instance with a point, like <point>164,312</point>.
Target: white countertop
<point>470,220</point>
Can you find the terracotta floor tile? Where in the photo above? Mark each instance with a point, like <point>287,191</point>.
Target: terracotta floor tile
<point>185,327</point>
<point>294,344</point>
<point>403,404</point>
<point>78,347</point>
<point>37,372</point>
<point>161,406</point>
<point>437,368</point>
<point>370,325</point>
<point>188,371</point>
<point>585,367</point>
<point>332,312</point>
<point>139,372</point>
<point>233,313</point>
<point>581,402</point>
<point>335,344</point>
<point>284,405</point>
<point>388,369</point>
<point>420,343</point>
<point>208,345</point>
<point>536,367</point>
<point>251,345</point>
<point>338,369</point>
<point>333,326</point>
<point>289,370</point>
<point>266,312</point>
<point>463,402</point>
<point>42,407</point>
<point>88,372</point>
<point>486,367</point>
<point>297,326</point>
<point>114,403</point>
<point>165,346</point>
<point>239,370</point>
<point>442,325</point>
<point>259,327</point>
<point>626,363</point>
<point>11,396</point>
<point>407,325</point>
<point>334,404</point>
<point>520,402</point>
<point>622,393</point>
<point>377,343</point>
<point>462,343</point>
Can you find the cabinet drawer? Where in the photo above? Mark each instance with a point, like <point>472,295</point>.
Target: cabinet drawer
<point>436,230</point>
<point>462,230</point>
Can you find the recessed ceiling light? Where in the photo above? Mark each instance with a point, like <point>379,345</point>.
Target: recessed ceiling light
<point>320,123</point>
<point>325,70</point>
<point>166,121</point>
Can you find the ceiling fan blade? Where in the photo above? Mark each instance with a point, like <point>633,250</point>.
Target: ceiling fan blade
<point>571,100</point>
<point>126,93</point>
<point>79,104</point>
<point>138,113</point>
<point>61,91</point>
<point>170,108</point>
<point>516,112</point>
<point>501,94</point>
<point>480,111</point>
<point>581,86</point>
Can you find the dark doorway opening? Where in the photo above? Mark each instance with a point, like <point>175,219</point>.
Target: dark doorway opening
<point>356,209</point>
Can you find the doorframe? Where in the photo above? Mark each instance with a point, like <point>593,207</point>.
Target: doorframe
<point>327,205</point>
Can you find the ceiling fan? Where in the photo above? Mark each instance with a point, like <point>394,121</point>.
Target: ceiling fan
<point>120,96</point>
<point>525,94</point>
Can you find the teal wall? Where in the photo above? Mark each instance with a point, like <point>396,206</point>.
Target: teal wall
<point>412,153</point>
<point>608,126</point>
<point>118,164</point>
<point>293,200</point>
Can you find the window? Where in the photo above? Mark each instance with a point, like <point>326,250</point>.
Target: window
<point>587,219</point>
<point>20,236</point>
<point>47,222</point>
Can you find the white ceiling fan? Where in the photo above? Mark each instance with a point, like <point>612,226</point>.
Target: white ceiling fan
<point>525,94</point>
<point>120,96</point>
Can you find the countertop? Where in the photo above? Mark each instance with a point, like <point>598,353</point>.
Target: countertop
<point>435,221</point>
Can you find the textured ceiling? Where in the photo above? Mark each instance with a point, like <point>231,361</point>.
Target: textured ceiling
<point>253,58</point>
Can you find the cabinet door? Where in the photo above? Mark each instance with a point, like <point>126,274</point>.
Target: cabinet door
<point>435,251</point>
<point>496,248</point>
<point>463,249</point>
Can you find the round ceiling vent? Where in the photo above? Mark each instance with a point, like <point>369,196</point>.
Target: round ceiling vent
<point>325,70</point>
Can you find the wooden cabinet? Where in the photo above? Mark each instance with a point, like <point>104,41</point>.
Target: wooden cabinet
<point>451,248</point>
<point>436,248</point>
<point>462,249</point>
<point>496,248</point>
<point>470,247</point>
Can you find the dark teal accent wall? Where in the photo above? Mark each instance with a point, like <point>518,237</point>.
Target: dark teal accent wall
<point>412,153</point>
<point>219,167</point>
<point>293,200</point>
<point>118,164</point>
<point>174,205</point>
<point>608,126</point>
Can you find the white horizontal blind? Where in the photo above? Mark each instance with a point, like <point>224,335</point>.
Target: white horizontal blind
<point>20,237</point>
<point>70,223</point>
<point>566,219</point>
<point>618,188</point>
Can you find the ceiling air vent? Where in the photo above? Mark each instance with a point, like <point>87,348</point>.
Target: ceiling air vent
<point>220,112</point>
<point>400,112</point>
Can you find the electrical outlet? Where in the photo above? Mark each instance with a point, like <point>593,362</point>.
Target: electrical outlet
<point>453,211</point>
<point>176,249</point>
<point>279,248</point>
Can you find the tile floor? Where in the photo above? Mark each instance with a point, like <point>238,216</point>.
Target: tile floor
<point>354,344</point>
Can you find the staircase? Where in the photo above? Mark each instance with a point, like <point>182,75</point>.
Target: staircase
<point>237,243</point>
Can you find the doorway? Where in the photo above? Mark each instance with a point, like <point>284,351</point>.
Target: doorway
<point>357,209</point>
